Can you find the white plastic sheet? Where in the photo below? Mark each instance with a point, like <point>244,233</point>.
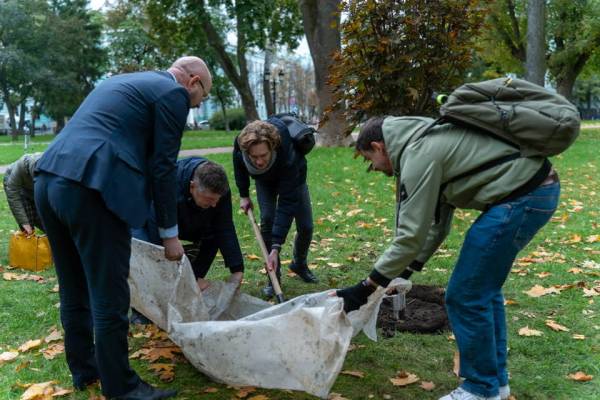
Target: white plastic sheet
<point>242,340</point>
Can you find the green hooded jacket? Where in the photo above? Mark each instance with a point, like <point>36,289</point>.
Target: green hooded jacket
<point>424,165</point>
<point>18,185</point>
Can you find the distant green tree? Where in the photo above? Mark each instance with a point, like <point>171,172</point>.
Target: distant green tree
<point>75,58</point>
<point>395,54</point>
<point>133,46</point>
<point>572,38</point>
<point>24,41</point>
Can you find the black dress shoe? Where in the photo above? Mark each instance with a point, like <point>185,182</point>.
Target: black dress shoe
<point>144,391</point>
<point>304,273</point>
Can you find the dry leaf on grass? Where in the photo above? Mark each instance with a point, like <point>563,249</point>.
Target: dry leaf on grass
<point>352,213</point>
<point>30,344</point>
<point>156,353</point>
<point>210,390</point>
<point>591,292</point>
<point>252,257</point>
<point>544,274</point>
<point>577,336</point>
<point>356,374</point>
<point>580,376</point>
<point>53,350</point>
<point>39,391</point>
<point>164,371</point>
<point>404,378</point>
<point>538,291</point>
<point>336,396</point>
<point>53,336</point>
<point>510,302</point>
<point>575,271</point>
<point>243,392</point>
<point>556,326</point>
<point>8,356</point>
<point>526,331</point>
<point>428,386</point>
<point>259,397</point>
<point>456,363</point>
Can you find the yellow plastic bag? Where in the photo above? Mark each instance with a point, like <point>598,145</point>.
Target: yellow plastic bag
<point>29,252</point>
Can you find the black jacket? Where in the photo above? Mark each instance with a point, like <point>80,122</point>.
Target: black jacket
<point>287,175</point>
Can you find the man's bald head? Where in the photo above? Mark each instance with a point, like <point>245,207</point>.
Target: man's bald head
<point>192,72</point>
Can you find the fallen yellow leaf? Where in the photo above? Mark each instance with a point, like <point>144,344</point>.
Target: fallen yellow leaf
<point>456,363</point>
<point>8,356</point>
<point>580,376</point>
<point>259,397</point>
<point>556,326</point>
<point>53,350</point>
<point>356,374</point>
<point>544,274</point>
<point>252,257</point>
<point>575,271</point>
<point>578,336</point>
<point>352,213</point>
<point>525,331</point>
<point>428,386</point>
<point>39,391</point>
<point>30,344</point>
<point>538,291</point>
<point>404,378</point>
<point>210,390</point>
<point>53,336</point>
<point>336,396</point>
<point>245,391</point>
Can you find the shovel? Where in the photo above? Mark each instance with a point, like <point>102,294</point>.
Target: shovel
<point>265,253</point>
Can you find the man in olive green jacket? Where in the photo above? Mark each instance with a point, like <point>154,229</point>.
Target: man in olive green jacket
<point>452,167</point>
<point>18,185</point>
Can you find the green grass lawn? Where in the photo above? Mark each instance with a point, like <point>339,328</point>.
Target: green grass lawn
<point>538,365</point>
<point>11,151</point>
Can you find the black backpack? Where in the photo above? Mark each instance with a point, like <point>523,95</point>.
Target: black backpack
<point>303,136</point>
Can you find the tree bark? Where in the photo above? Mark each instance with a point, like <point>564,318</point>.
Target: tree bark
<point>22,111</point>
<point>321,20</point>
<point>238,79</point>
<point>266,82</point>
<point>535,64</point>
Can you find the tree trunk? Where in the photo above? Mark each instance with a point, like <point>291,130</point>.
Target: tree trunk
<point>564,84</point>
<point>321,20</point>
<point>266,82</point>
<point>23,110</point>
<point>535,64</point>
<point>238,79</point>
<point>12,110</point>
<point>224,110</point>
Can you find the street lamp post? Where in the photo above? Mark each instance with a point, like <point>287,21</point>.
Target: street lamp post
<point>273,82</point>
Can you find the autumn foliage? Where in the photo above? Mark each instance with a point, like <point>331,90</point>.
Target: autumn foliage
<point>395,54</point>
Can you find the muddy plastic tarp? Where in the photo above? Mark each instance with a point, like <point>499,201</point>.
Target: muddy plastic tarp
<point>241,340</point>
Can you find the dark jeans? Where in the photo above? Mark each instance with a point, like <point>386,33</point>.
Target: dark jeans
<point>91,249</point>
<point>267,202</point>
<point>474,296</point>
<point>201,253</point>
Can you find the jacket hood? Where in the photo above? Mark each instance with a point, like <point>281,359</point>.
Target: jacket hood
<point>185,170</point>
<point>398,132</point>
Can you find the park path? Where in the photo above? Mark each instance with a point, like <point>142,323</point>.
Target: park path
<point>182,153</point>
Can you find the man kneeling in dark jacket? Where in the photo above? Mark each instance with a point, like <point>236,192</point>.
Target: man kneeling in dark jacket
<point>204,217</point>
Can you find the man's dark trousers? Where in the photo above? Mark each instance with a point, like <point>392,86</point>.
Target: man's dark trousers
<point>91,249</point>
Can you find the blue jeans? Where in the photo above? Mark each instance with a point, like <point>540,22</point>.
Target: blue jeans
<point>474,297</point>
<point>267,202</point>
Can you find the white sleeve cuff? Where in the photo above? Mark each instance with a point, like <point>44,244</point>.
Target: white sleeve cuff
<point>166,233</point>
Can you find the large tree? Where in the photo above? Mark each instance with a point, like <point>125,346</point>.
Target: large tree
<point>206,24</point>
<point>396,54</point>
<point>572,38</point>
<point>321,21</point>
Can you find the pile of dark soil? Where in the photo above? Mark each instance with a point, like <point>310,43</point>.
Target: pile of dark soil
<point>425,312</point>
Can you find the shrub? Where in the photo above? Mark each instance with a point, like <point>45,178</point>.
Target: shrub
<point>236,117</point>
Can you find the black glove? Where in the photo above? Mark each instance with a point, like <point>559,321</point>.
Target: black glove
<point>355,296</point>
<point>415,266</point>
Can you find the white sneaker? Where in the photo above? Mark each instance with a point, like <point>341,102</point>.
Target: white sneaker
<point>504,392</point>
<point>462,394</point>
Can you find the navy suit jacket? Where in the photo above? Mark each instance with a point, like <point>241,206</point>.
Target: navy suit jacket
<point>123,141</point>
